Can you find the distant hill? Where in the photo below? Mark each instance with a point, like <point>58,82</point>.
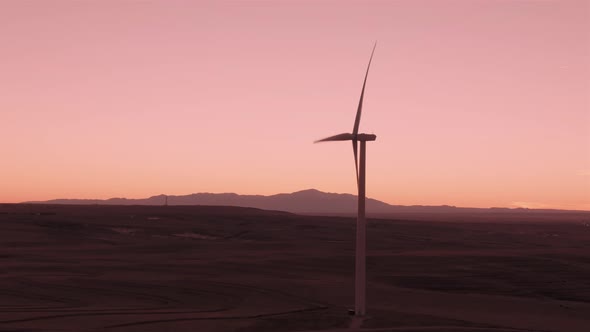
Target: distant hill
<point>305,201</point>
<point>309,201</point>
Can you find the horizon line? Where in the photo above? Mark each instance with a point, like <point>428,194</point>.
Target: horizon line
<point>297,191</point>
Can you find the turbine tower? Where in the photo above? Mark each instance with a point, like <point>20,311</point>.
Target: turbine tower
<point>356,138</point>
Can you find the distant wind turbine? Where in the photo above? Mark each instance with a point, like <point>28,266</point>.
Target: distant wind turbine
<point>355,137</point>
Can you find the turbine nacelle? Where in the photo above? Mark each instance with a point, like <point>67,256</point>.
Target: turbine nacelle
<point>366,137</point>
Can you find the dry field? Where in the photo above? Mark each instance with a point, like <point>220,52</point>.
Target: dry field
<point>181,268</point>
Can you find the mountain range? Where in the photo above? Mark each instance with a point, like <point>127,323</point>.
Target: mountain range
<point>310,201</point>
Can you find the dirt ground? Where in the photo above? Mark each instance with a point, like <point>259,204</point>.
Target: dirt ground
<point>181,268</point>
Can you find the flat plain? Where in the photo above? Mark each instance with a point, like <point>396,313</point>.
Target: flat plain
<point>199,268</point>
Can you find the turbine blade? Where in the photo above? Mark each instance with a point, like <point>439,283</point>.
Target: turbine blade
<point>357,120</point>
<point>339,137</point>
<point>356,162</point>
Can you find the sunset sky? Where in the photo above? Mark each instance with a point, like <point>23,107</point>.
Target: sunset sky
<point>475,103</point>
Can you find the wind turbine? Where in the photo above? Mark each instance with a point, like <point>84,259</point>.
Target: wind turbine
<point>355,137</point>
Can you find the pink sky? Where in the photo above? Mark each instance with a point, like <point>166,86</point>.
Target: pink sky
<point>474,103</point>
